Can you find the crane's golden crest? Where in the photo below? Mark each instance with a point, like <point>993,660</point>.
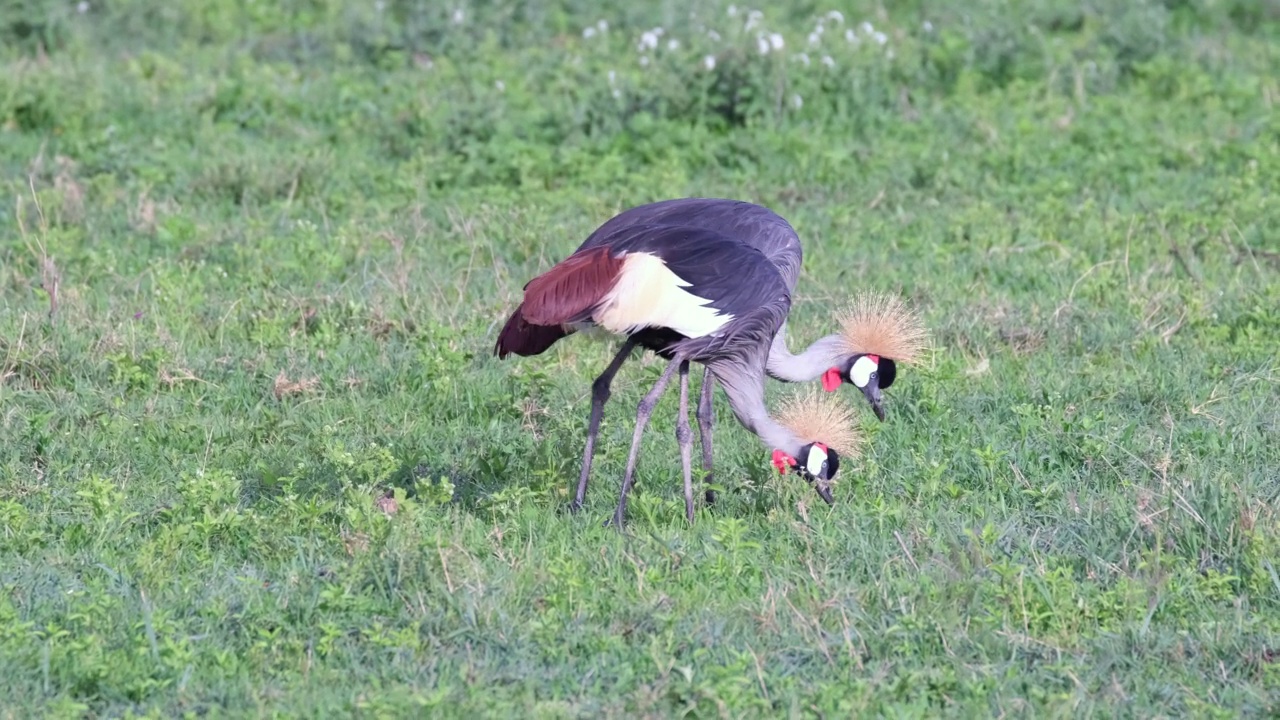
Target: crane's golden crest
<point>881,324</point>
<point>815,416</point>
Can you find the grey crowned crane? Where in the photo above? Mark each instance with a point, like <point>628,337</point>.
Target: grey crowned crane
<point>691,295</point>
<point>876,330</point>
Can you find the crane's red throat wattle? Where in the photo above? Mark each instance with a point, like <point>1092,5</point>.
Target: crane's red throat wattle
<point>782,461</point>
<point>831,379</point>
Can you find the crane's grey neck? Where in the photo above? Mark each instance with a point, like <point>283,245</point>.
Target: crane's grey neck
<point>809,365</point>
<point>743,383</point>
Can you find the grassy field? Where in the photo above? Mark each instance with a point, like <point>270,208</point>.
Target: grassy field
<point>256,456</point>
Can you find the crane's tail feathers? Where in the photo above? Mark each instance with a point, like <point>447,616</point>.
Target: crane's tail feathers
<point>521,337</point>
<point>883,325</point>
<point>815,416</point>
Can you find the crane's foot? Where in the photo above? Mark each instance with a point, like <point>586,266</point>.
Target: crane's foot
<point>708,479</point>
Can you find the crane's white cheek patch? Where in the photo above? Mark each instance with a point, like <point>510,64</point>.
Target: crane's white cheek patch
<point>648,294</point>
<point>816,462</point>
<point>860,373</point>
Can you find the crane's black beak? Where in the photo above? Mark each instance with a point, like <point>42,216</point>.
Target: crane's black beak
<point>824,492</point>
<point>872,392</point>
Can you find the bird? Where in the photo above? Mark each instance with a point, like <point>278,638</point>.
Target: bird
<point>872,327</point>
<point>690,294</point>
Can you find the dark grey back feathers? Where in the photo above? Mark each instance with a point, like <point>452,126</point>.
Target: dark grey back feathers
<point>753,225</point>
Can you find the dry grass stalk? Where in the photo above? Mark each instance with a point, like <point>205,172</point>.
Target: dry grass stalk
<point>284,386</point>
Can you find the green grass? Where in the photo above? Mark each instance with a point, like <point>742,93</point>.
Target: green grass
<point>253,261</point>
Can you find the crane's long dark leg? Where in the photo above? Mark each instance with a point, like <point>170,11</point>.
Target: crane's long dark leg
<point>642,419</point>
<point>599,396</point>
<point>684,436</point>
<point>705,417</point>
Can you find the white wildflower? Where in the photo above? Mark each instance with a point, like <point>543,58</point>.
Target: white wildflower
<point>709,62</point>
<point>648,41</point>
<point>380,5</point>
<point>837,16</point>
<point>603,26</point>
<point>458,16</point>
<point>880,37</point>
<point>802,57</point>
<point>613,77</point>
<point>928,26</point>
<point>715,36</point>
<point>753,18</point>
<point>673,44</point>
<point>797,102</point>
<point>762,44</point>
<point>644,61</point>
<point>588,32</point>
<point>82,7</point>
<point>733,10</point>
<point>826,60</point>
<point>617,93</point>
<point>850,36</point>
<point>500,85</point>
<point>775,40</point>
<point>658,31</point>
<point>866,28</point>
<point>815,38</point>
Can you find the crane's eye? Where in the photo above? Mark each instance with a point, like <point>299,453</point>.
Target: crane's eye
<point>862,371</point>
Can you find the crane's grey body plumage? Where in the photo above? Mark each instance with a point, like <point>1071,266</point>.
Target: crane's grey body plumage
<point>759,228</point>
<point>752,225</point>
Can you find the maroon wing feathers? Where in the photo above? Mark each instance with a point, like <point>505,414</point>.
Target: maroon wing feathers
<point>566,293</point>
<point>571,288</point>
